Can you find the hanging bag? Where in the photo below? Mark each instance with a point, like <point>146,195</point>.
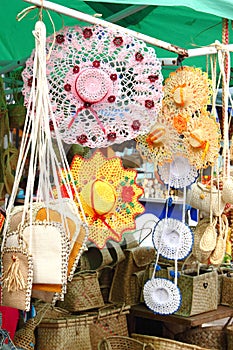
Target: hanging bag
<point>17,276</point>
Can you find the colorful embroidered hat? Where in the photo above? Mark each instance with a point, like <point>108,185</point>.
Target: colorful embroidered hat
<point>162,296</point>
<point>105,86</point>
<point>178,173</point>
<point>109,196</point>
<point>187,90</point>
<point>202,140</point>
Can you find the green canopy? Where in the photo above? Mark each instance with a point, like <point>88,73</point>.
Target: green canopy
<point>186,23</point>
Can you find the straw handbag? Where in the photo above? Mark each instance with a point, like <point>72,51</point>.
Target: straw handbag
<point>129,275</point>
<point>83,292</point>
<point>47,241</point>
<point>199,290</point>
<point>17,275</point>
<point>110,320</point>
<point>64,333</point>
<point>205,199</point>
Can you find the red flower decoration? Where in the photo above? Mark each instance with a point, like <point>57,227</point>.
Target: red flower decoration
<point>60,39</point>
<point>76,69</point>
<point>118,41</point>
<point>96,64</point>
<point>82,139</point>
<point>149,104</point>
<point>127,193</point>
<point>30,82</point>
<point>136,125</point>
<point>138,57</point>
<point>87,104</point>
<point>113,77</point>
<point>111,99</point>
<point>87,33</point>
<point>111,136</point>
<point>51,126</point>
<point>67,87</point>
<point>153,78</point>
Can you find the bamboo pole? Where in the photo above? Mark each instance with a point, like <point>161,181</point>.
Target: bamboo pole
<point>95,20</point>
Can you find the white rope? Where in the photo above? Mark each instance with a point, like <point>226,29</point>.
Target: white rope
<point>37,145</point>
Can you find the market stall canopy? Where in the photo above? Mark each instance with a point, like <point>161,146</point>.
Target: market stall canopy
<point>184,23</point>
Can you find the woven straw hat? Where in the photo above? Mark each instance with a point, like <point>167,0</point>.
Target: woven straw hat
<point>202,140</point>
<point>186,90</point>
<point>109,196</point>
<point>99,81</point>
<point>160,143</point>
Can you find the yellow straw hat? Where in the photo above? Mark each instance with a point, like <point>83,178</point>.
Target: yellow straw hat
<point>108,194</point>
<point>187,90</point>
<point>160,143</point>
<point>202,140</point>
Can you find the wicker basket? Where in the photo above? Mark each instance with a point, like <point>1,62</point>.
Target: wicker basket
<point>199,292</point>
<point>129,275</point>
<point>123,343</point>
<point>70,333</point>
<point>110,321</point>
<point>82,331</point>
<point>165,344</point>
<point>83,293</point>
<point>227,290</point>
<point>212,337</point>
<point>229,337</point>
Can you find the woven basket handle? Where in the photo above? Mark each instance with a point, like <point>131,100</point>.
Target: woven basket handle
<point>107,309</point>
<point>104,344</point>
<point>83,272</point>
<point>228,322</point>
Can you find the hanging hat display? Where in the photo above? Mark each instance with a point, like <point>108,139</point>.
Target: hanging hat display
<point>158,145</point>
<point>172,238</point>
<point>186,90</point>
<point>202,140</point>
<point>105,86</point>
<point>109,196</point>
<point>179,172</point>
<point>162,296</point>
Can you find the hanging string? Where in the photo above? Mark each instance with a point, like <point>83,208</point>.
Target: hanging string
<point>225,84</point>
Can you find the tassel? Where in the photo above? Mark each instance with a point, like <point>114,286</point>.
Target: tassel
<point>13,279</point>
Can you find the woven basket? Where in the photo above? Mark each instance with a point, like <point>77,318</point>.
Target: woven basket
<point>17,115</point>
<point>25,337</point>
<point>229,337</point>
<point>199,292</point>
<point>110,321</point>
<point>122,343</point>
<point>70,333</point>
<point>127,275</point>
<point>165,344</point>
<point>83,292</point>
<point>227,290</point>
<point>213,337</point>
